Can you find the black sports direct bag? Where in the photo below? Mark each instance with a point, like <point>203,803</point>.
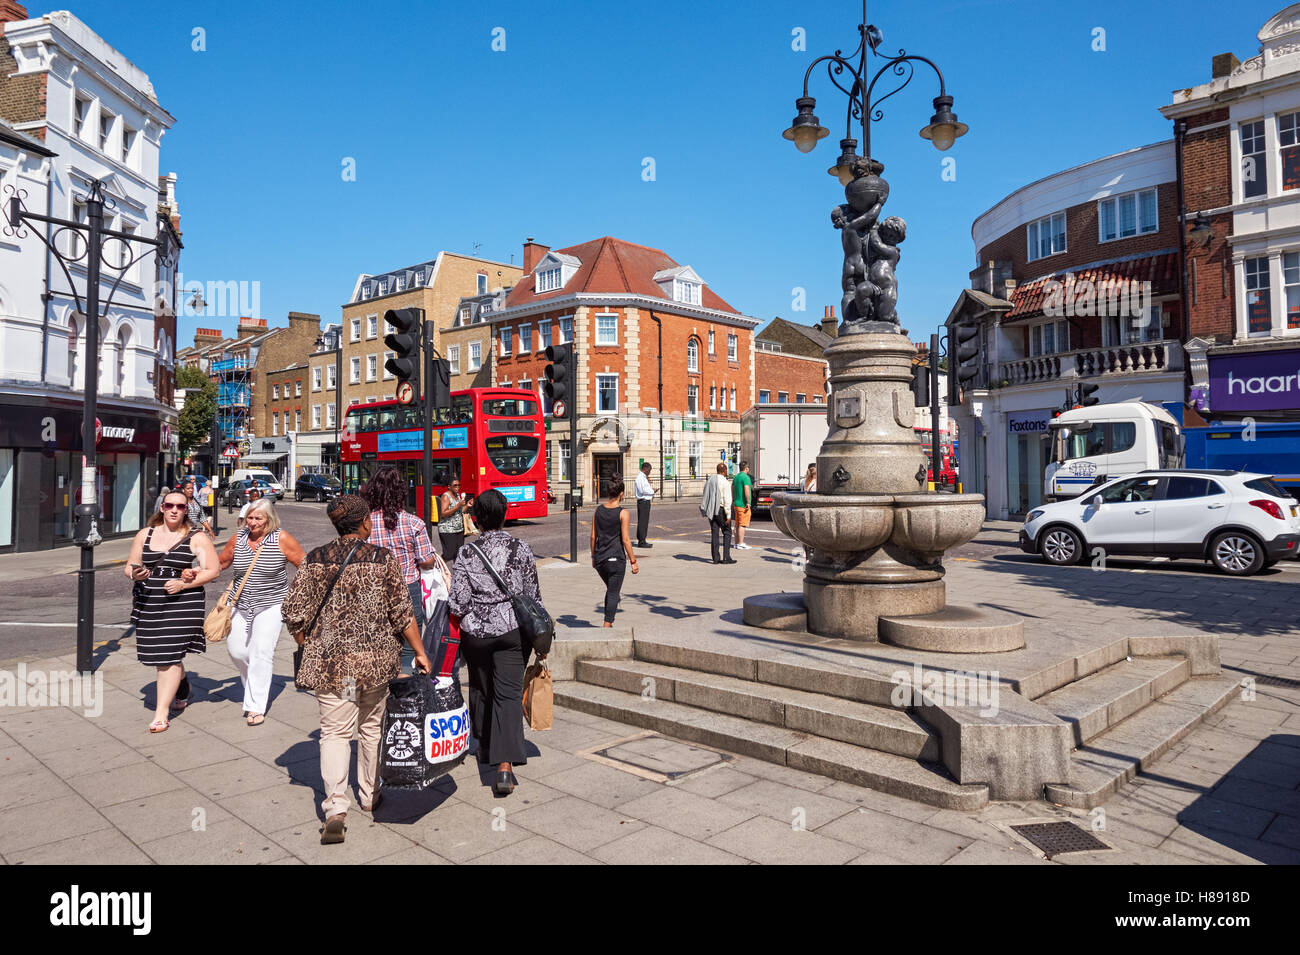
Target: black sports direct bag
<point>426,732</point>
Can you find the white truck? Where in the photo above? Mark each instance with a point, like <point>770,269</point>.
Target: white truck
<point>1092,445</point>
<point>780,440</point>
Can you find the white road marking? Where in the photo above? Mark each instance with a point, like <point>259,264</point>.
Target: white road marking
<point>108,626</point>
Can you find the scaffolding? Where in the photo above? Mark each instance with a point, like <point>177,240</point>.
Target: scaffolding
<point>233,396</point>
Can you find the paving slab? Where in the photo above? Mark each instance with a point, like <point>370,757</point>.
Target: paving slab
<point>124,783</point>
<point>101,847</point>
<point>43,821</point>
<point>655,846</point>
<point>164,814</point>
<point>763,839</point>
<point>537,850</point>
<point>687,814</point>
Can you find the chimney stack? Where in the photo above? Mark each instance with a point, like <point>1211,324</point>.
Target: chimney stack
<point>829,324</point>
<point>248,327</point>
<point>1222,65</point>
<point>533,253</point>
<point>10,11</point>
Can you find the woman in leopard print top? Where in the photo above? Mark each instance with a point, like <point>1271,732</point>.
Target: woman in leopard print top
<point>351,651</point>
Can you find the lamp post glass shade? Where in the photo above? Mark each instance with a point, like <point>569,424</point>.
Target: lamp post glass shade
<point>806,130</point>
<point>843,168</point>
<point>944,127</point>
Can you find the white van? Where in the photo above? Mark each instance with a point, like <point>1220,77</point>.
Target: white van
<point>1094,445</point>
<point>261,474</point>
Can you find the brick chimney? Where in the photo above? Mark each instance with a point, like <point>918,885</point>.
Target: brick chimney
<point>11,12</point>
<point>203,337</point>
<point>313,320</point>
<point>533,253</point>
<point>829,323</point>
<point>248,327</point>
<point>1222,65</point>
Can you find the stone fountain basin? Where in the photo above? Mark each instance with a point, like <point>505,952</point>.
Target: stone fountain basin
<point>840,523</point>
<point>924,523</point>
<point>932,523</point>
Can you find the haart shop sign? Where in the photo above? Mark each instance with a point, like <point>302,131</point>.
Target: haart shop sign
<point>1258,381</point>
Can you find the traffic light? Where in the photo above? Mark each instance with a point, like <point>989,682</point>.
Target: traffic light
<point>964,349</point>
<point>921,384</point>
<point>559,379</point>
<point>404,340</point>
<point>1088,395</point>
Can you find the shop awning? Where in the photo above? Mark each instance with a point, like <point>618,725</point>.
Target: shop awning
<point>269,457</point>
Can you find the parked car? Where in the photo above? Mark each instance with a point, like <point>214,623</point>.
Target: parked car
<point>317,487</point>
<point>261,474</point>
<point>1240,522</point>
<point>235,494</point>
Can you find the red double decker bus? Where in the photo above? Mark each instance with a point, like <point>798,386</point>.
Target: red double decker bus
<point>486,437</point>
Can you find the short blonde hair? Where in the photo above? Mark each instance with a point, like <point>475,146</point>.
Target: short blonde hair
<point>268,508</point>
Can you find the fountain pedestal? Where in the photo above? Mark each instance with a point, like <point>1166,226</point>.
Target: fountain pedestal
<point>875,536</point>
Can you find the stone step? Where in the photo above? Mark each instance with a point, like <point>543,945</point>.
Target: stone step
<point>1097,702</point>
<point>897,775</point>
<point>775,667</point>
<point>1108,761</point>
<point>861,724</point>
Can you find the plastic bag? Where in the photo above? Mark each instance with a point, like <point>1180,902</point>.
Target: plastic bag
<point>426,732</point>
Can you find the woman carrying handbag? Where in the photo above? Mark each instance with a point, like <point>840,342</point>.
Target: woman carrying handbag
<point>493,585</point>
<point>260,554</point>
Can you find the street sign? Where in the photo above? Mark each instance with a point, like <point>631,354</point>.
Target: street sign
<point>695,426</point>
<point>558,409</point>
<point>406,392</point>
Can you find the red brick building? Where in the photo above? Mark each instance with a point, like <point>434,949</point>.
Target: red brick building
<point>617,302</point>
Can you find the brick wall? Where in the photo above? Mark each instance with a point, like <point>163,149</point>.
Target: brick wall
<point>792,374</point>
<point>22,98</point>
<point>288,347</point>
<point>294,392</point>
<point>1081,241</point>
<point>791,340</point>
<point>1207,184</point>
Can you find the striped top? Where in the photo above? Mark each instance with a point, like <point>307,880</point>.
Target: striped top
<point>270,578</point>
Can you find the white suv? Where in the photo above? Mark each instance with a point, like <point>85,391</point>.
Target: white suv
<point>1239,521</point>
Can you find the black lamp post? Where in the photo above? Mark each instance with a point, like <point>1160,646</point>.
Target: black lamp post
<point>86,241</point>
<point>806,131</point>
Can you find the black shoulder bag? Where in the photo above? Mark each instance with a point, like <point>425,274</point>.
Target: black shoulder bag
<point>535,624</point>
<point>297,654</point>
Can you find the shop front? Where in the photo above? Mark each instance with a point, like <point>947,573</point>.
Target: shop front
<point>1262,384</point>
<point>1028,454</point>
<point>40,471</point>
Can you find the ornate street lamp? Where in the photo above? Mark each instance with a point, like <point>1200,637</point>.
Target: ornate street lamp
<point>87,245</point>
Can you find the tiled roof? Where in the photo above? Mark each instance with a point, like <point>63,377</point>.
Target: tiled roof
<point>612,267</point>
<point>1161,270</point>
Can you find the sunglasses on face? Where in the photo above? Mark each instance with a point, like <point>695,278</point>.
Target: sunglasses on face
<point>174,507</point>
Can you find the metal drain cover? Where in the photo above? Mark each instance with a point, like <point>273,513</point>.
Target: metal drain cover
<point>656,757</point>
<point>1055,838</point>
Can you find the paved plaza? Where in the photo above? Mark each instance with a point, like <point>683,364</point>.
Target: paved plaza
<point>79,787</point>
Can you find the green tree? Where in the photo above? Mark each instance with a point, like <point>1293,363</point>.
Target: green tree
<point>200,409</point>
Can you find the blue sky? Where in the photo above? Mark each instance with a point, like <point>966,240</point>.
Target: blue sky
<point>457,146</point>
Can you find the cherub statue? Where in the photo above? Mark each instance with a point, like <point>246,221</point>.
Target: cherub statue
<point>882,252</point>
<point>866,194</point>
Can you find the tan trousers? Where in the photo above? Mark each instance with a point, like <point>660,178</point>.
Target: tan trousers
<point>339,719</point>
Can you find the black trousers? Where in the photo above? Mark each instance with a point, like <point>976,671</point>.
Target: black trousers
<point>642,520</point>
<point>612,572</point>
<point>451,544</point>
<point>719,527</point>
<point>496,695</point>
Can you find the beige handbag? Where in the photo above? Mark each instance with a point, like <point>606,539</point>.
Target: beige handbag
<point>216,625</point>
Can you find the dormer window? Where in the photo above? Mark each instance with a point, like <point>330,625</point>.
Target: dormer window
<point>365,290</point>
<point>401,283</point>
<point>688,293</point>
<point>464,315</point>
<point>549,280</point>
<point>681,284</point>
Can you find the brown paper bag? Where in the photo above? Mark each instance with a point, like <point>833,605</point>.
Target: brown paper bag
<point>539,696</point>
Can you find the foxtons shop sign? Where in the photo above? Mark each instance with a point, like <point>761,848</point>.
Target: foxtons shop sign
<point>1260,381</point>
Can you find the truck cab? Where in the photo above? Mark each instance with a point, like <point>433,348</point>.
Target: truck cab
<point>1093,445</point>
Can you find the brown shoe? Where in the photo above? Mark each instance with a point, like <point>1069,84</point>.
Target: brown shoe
<point>334,830</point>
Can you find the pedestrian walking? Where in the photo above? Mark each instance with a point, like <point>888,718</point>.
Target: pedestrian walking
<point>401,532</point>
<point>168,600</point>
<point>349,609</point>
<point>194,511</point>
<point>452,505</point>
<point>157,507</point>
<point>490,637</point>
<point>810,480</point>
<point>254,494</point>
<point>611,548</point>
<point>645,493</point>
<point>742,488</point>
<point>260,554</point>
<point>713,505</point>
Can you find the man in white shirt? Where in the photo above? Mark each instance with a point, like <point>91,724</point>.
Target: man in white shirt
<point>714,506</point>
<point>644,494</point>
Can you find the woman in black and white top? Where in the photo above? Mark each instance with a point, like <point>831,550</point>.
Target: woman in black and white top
<point>490,638</point>
<point>255,623</point>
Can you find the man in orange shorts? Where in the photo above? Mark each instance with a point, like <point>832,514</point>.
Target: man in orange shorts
<point>742,490</point>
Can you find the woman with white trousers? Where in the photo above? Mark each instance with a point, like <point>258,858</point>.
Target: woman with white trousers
<point>255,623</point>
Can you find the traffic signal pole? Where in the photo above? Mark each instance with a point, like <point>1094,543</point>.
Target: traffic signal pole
<point>573,465</point>
<point>430,408</point>
<point>936,462</point>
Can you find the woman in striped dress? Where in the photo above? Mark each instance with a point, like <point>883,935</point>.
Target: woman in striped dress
<point>168,608</point>
<point>255,623</point>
